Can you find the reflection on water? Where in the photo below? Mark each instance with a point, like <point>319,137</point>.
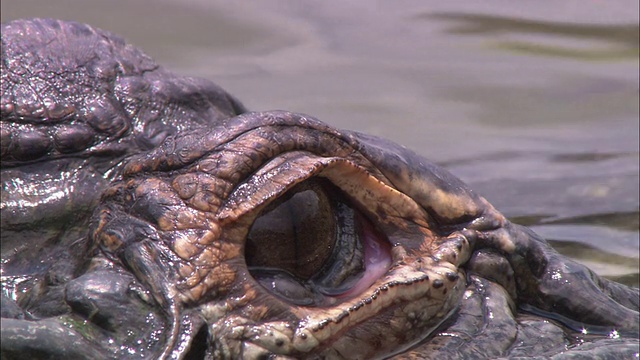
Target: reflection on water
<point>620,40</point>
<point>571,99</point>
<point>504,94</point>
<point>629,221</point>
<point>589,157</point>
<point>594,258</point>
<point>600,241</point>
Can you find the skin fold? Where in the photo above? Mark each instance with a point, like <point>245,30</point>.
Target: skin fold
<point>130,198</point>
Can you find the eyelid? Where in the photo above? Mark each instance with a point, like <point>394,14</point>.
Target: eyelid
<point>282,173</point>
<point>375,197</point>
<point>272,180</point>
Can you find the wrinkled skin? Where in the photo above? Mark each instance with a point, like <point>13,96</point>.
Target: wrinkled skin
<point>129,200</point>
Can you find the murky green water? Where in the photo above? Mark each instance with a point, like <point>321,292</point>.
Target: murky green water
<point>535,107</point>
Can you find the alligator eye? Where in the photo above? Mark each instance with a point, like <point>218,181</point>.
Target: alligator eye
<point>296,234</point>
<point>312,247</point>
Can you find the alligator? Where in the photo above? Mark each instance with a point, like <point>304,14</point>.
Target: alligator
<point>149,215</point>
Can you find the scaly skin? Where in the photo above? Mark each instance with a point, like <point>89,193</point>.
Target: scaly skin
<point>146,254</point>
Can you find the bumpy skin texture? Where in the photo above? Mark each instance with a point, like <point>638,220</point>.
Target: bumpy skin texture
<point>137,190</point>
<point>76,101</point>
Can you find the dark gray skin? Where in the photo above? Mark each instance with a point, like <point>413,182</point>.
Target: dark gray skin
<point>131,204</point>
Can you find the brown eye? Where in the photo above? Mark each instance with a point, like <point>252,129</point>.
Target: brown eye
<point>296,234</point>
<point>312,247</point>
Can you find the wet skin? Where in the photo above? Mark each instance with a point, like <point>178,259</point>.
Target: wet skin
<point>150,215</point>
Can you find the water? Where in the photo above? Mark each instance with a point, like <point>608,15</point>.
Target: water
<point>535,107</point>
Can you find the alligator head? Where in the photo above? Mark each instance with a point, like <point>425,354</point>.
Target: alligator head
<point>212,232</point>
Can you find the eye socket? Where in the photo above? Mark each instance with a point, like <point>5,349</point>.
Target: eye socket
<point>296,234</point>
<point>312,247</point>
